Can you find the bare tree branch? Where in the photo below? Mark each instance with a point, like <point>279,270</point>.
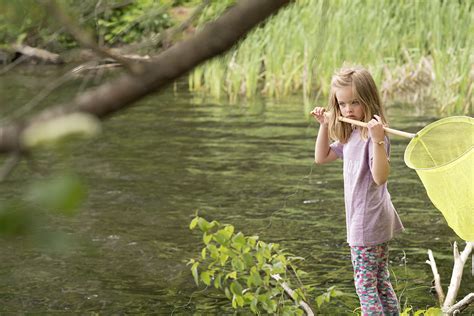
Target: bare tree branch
<point>437,279</point>
<point>461,305</point>
<point>291,294</point>
<point>214,39</point>
<point>459,261</point>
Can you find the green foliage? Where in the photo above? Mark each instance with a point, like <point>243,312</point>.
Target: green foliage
<point>332,292</point>
<point>114,23</point>
<point>62,194</point>
<point>214,10</point>
<point>18,18</point>
<point>432,311</point>
<point>301,47</point>
<point>244,268</point>
<point>130,23</point>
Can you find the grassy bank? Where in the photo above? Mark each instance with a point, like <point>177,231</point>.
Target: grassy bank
<point>420,52</point>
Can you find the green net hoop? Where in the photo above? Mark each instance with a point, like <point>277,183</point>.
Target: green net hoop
<point>443,156</point>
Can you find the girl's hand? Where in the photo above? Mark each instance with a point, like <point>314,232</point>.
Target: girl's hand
<point>318,114</point>
<point>376,131</point>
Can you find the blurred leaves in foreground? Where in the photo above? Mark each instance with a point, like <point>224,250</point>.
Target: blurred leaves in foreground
<point>28,215</point>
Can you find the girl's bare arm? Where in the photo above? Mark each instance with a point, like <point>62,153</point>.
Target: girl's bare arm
<point>322,151</point>
<point>380,163</point>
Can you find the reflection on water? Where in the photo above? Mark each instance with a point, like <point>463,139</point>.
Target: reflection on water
<point>249,165</point>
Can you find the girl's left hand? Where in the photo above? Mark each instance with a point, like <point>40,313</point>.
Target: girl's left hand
<point>376,131</point>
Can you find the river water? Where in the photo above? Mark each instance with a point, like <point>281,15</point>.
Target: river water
<point>245,164</point>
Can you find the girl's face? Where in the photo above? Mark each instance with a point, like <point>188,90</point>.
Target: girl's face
<point>350,107</point>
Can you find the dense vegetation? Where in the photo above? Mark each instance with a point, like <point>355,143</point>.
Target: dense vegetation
<point>419,52</point>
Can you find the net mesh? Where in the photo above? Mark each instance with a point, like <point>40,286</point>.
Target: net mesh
<point>443,156</point>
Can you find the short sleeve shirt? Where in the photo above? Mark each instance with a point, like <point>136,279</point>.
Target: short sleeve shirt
<point>371,218</point>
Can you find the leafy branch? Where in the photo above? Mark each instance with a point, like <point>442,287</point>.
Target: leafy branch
<point>252,273</point>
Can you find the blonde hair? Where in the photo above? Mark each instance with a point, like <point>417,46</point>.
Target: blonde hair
<point>364,90</point>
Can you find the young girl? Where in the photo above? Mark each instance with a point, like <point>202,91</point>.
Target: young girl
<point>371,219</point>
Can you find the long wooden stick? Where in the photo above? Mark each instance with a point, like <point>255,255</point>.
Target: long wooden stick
<point>388,130</point>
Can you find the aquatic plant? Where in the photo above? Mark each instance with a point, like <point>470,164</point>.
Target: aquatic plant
<point>425,45</point>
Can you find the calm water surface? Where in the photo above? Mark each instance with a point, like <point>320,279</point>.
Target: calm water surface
<point>158,163</point>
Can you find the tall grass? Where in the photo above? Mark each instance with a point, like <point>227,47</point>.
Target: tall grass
<point>298,50</point>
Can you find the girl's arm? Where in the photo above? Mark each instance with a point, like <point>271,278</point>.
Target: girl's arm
<point>322,151</point>
<point>380,164</point>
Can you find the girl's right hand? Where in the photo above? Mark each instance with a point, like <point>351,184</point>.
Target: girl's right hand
<point>318,114</point>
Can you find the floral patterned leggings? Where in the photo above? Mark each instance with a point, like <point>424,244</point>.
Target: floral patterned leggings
<point>372,280</point>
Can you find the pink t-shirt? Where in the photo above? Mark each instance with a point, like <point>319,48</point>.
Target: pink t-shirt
<point>371,218</point>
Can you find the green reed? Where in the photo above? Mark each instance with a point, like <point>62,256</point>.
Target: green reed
<point>298,50</point>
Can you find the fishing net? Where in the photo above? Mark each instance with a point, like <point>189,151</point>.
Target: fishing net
<point>442,155</point>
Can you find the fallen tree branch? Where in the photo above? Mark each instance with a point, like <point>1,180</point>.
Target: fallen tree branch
<point>291,293</point>
<point>36,54</point>
<point>215,38</point>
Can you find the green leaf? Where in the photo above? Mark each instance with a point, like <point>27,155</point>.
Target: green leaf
<point>227,293</point>
<point>203,224</point>
<point>295,296</point>
<point>433,311</point>
<point>203,253</point>
<point>320,300</point>
<point>206,238</point>
<point>253,306</point>
<point>218,281</point>
<point>238,264</point>
<point>62,194</point>
<point>255,276</point>
<point>252,240</point>
<point>213,250</point>
<point>195,273</point>
<point>236,288</point>
<point>193,223</point>
<point>417,313</point>
<point>206,277</point>
<point>248,260</point>
<point>240,300</point>
<point>271,306</point>
<point>238,241</point>
<point>223,235</point>
<point>53,130</point>
<point>234,301</point>
<point>231,275</point>
<point>223,259</point>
